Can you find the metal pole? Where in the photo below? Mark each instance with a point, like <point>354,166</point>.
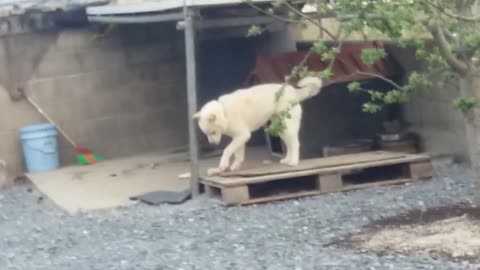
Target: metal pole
<point>191,98</point>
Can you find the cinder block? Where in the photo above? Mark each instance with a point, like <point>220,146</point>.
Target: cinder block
<point>32,42</point>
<point>15,115</point>
<point>158,31</point>
<point>42,91</point>
<point>134,124</point>
<point>67,152</point>
<point>151,53</point>
<point>11,152</point>
<point>151,122</point>
<point>4,95</point>
<point>166,139</point>
<point>60,64</point>
<point>72,86</point>
<point>133,34</point>
<point>109,79</point>
<point>79,39</point>
<point>108,128</point>
<point>2,48</point>
<point>99,59</point>
<point>111,40</point>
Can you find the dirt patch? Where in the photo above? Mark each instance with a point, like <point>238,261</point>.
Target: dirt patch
<point>452,232</point>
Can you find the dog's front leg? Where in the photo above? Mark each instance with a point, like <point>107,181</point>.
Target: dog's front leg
<point>233,147</point>
<point>238,158</point>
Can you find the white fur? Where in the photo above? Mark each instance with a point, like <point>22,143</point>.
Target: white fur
<point>241,112</point>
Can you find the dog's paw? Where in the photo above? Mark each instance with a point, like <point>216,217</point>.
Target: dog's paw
<point>289,162</point>
<point>223,165</point>
<point>214,171</point>
<point>235,166</point>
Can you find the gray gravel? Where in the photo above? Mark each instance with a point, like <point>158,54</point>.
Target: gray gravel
<point>201,234</point>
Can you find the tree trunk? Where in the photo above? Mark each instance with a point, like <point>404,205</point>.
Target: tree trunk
<point>470,86</point>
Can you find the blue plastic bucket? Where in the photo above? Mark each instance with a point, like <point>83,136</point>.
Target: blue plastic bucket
<point>40,147</point>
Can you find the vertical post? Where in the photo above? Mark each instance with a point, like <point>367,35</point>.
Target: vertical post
<point>191,98</point>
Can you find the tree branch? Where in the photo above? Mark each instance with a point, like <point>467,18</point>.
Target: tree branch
<point>317,24</point>
<point>445,50</point>
<point>381,77</point>
<point>454,15</point>
<point>452,37</point>
<point>292,20</point>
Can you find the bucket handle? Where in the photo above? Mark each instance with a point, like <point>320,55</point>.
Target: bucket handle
<point>41,150</point>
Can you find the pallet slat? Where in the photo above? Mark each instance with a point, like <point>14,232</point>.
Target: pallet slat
<point>393,169</point>
<point>316,163</point>
<point>235,181</point>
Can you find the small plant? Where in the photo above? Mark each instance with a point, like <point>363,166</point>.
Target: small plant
<point>277,124</point>
<point>466,104</point>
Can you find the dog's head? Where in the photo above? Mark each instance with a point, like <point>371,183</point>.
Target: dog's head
<point>313,83</point>
<point>212,121</point>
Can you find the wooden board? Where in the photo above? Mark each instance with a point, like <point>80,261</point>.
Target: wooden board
<point>333,174</point>
<point>342,163</point>
<point>317,163</point>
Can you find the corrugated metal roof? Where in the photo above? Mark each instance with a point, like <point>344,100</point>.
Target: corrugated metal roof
<point>9,7</point>
<point>143,6</point>
<point>347,67</point>
<point>12,7</point>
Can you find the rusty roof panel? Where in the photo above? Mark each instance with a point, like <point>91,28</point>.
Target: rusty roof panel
<point>348,65</point>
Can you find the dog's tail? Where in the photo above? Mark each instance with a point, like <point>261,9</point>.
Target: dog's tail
<point>308,87</point>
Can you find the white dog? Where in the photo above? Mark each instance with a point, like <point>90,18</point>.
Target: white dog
<point>243,111</point>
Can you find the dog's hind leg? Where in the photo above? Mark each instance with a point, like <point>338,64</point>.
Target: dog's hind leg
<point>290,137</point>
<point>239,157</point>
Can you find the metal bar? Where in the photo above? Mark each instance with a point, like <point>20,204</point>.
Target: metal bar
<point>189,31</point>
<point>137,19</point>
<point>232,22</point>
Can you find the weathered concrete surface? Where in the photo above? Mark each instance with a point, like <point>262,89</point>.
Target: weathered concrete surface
<point>432,115</point>
<point>119,95</point>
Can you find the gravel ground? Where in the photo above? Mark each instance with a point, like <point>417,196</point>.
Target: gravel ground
<point>201,234</point>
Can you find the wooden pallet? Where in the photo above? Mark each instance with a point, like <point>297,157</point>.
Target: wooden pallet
<point>316,176</point>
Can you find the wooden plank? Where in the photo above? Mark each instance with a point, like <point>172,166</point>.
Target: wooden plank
<point>420,170</point>
<point>282,197</point>
<point>209,190</point>
<point>330,182</point>
<point>235,195</point>
<point>318,192</point>
<point>223,181</point>
<point>316,163</point>
<point>377,184</point>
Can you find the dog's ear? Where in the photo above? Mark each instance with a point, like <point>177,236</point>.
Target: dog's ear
<point>212,118</point>
<point>196,115</point>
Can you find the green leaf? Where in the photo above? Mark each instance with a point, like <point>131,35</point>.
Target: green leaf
<point>466,104</point>
<point>376,95</point>
<point>254,30</point>
<point>319,47</point>
<point>418,81</point>
<point>277,123</point>
<point>395,96</point>
<point>370,107</point>
<point>370,56</point>
<point>325,74</point>
<point>353,87</point>
<point>330,54</point>
<point>303,72</point>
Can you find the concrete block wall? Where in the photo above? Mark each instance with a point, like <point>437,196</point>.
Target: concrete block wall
<point>119,95</point>
<point>432,115</point>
